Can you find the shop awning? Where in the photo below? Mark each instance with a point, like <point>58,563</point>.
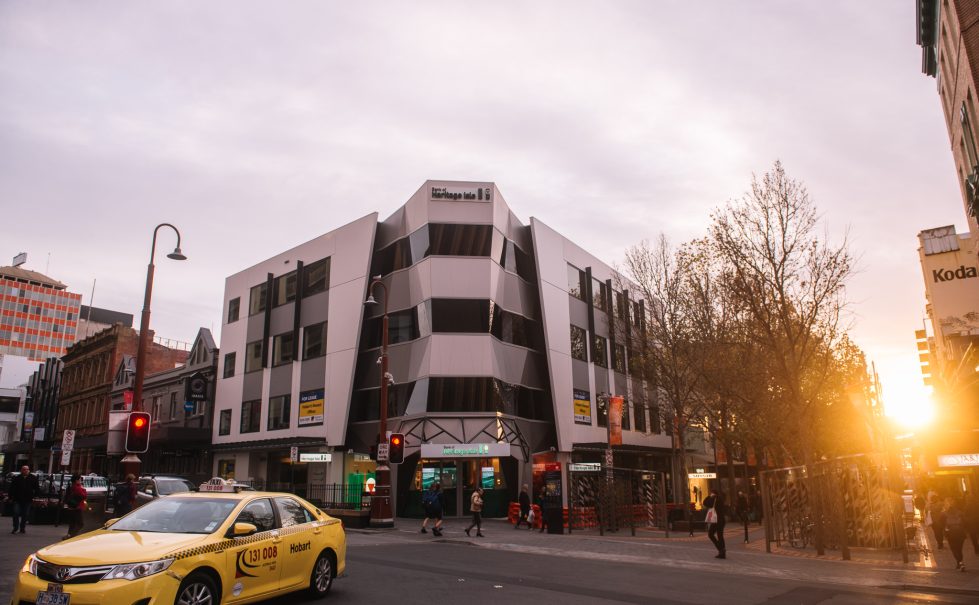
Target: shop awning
<point>270,444</point>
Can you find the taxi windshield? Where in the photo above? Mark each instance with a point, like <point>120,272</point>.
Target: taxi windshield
<point>176,515</point>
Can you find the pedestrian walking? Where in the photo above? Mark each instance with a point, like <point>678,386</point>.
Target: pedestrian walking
<point>433,504</point>
<point>476,508</point>
<point>76,501</point>
<point>124,496</point>
<point>714,503</point>
<point>524,500</point>
<point>541,499</point>
<point>23,489</point>
<point>955,529</point>
<point>936,518</point>
<point>757,507</point>
<point>742,509</point>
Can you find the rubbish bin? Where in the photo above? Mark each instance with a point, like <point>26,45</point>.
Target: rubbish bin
<point>554,517</point>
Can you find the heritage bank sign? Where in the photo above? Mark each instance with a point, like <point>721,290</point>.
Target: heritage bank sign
<point>468,194</point>
<point>465,450</point>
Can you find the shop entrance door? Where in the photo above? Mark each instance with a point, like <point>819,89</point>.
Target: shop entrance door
<point>445,472</point>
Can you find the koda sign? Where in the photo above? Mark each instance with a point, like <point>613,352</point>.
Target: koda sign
<point>962,272</point>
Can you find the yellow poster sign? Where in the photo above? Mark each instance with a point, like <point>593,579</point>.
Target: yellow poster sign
<point>311,406</point>
<point>582,407</point>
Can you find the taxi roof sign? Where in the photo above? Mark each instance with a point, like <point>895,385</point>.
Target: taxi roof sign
<point>217,484</point>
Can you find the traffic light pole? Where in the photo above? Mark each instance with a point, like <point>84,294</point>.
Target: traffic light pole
<point>381,514</point>
<point>131,462</point>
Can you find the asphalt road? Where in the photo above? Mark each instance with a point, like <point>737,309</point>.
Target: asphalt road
<point>515,568</point>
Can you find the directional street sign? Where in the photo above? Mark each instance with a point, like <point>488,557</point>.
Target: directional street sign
<point>383,450</point>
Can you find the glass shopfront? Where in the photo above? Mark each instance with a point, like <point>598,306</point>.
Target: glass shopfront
<point>458,477</point>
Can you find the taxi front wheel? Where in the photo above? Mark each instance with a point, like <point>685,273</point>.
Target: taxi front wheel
<point>321,579</point>
<point>197,589</point>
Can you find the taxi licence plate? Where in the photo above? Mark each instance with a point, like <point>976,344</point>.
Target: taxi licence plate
<point>53,596</point>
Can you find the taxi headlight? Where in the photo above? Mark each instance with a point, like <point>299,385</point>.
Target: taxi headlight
<point>30,565</point>
<point>135,571</point>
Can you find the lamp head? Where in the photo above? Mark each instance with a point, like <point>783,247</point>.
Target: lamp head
<point>370,300</point>
<point>177,254</point>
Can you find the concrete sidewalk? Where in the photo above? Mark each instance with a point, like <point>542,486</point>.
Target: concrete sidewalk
<point>868,568</point>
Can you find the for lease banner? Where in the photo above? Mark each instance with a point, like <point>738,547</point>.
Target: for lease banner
<point>311,406</point>
<point>582,407</point>
<point>615,420</point>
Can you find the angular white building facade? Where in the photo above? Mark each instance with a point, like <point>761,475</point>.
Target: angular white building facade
<point>505,339</point>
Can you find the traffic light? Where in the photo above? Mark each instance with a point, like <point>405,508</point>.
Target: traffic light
<point>396,449</point>
<point>138,433</point>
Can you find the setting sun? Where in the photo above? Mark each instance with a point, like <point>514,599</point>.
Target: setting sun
<point>909,403</point>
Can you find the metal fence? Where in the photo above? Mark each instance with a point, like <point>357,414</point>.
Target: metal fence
<point>347,496</point>
<point>632,499</point>
<point>834,504</point>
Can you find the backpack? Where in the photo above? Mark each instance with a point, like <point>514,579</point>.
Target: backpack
<point>121,496</point>
<point>431,498</point>
<point>954,519</point>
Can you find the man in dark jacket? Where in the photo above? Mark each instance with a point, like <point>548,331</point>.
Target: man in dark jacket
<point>23,488</point>
<point>524,500</point>
<point>125,496</point>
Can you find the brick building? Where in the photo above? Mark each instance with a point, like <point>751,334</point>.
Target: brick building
<point>948,33</point>
<point>89,370</point>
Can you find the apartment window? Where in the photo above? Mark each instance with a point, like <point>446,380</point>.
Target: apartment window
<point>578,346</point>
<point>599,293</point>
<point>279,412</point>
<point>157,408</point>
<point>512,328</point>
<point>637,313</point>
<point>515,260</point>
<point>229,365</point>
<point>253,356</point>
<point>618,358</point>
<point>576,282</point>
<point>459,240</point>
<point>314,340</point>
<point>460,315</point>
<point>173,406</point>
<point>481,394</point>
<point>402,327</point>
<point>282,349</point>
<point>626,423</point>
<point>621,306</point>
<point>233,307</point>
<point>256,298</point>
<point>640,416</point>
<point>224,423</point>
<point>284,289</point>
<point>251,416</point>
<point>600,348</point>
<point>316,277</point>
<point>968,139</point>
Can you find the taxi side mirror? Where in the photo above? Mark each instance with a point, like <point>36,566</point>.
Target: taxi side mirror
<point>242,529</point>
<point>110,523</point>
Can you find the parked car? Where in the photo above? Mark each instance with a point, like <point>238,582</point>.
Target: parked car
<point>155,486</point>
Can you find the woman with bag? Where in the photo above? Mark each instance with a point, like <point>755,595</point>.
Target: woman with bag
<point>75,502</point>
<point>714,503</point>
<point>476,506</point>
<point>955,529</point>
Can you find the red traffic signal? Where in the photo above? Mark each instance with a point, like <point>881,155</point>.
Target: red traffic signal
<point>396,448</point>
<point>138,433</point>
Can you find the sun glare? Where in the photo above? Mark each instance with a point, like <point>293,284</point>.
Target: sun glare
<point>910,404</point>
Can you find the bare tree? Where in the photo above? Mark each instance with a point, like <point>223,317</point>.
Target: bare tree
<point>792,283</point>
<point>670,353</point>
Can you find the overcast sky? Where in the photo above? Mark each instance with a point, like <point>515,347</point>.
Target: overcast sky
<point>255,126</point>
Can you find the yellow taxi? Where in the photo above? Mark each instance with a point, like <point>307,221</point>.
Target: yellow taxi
<point>219,545</point>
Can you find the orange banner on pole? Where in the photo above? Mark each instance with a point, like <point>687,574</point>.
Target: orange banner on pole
<point>615,420</point>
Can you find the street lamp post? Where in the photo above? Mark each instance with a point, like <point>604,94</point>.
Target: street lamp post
<point>604,403</point>
<point>381,514</point>
<point>144,329</point>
